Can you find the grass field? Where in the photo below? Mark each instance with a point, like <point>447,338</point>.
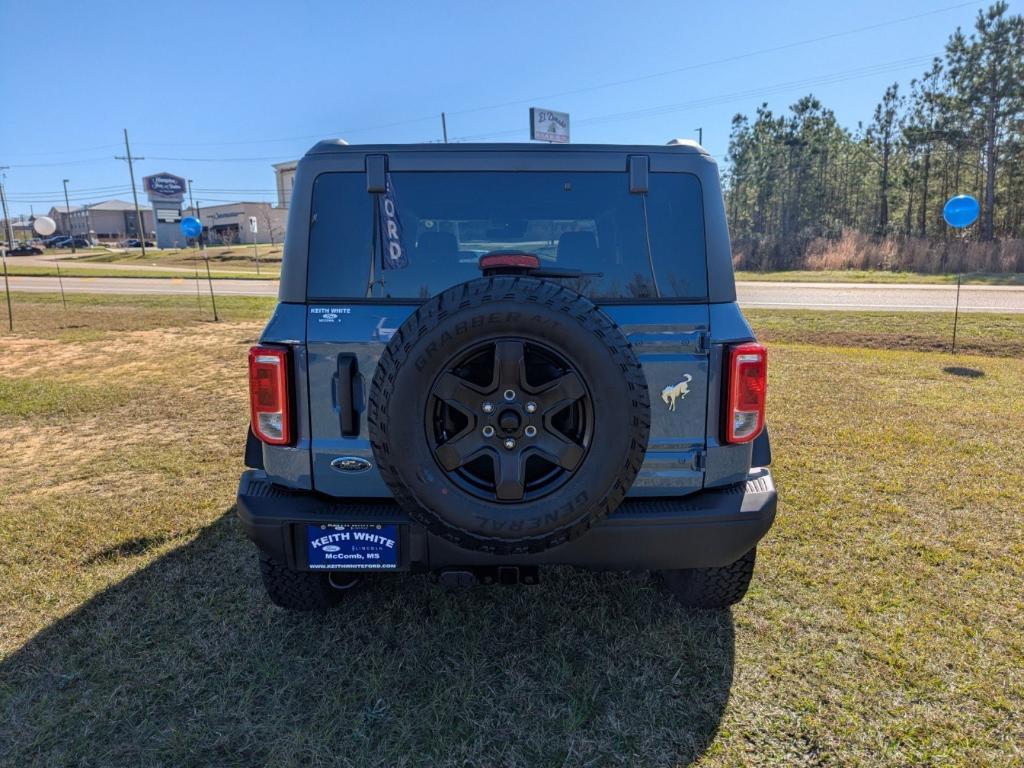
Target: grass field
<point>239,258</point>
<point>882,627</point>
<point>87,270</point>
<point>237,261</point>
<point>879,276</point>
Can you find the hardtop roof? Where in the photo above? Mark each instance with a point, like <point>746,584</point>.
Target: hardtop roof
<point>339,146</point>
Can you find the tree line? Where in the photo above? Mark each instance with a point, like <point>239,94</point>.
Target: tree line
<point>797,180</point>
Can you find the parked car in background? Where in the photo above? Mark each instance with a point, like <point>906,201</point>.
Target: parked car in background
<point>133,243</point>
<point>25,249</point>
<point>65,242</point>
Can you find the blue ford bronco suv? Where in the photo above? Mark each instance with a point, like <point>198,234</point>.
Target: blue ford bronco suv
<point>488,358</point>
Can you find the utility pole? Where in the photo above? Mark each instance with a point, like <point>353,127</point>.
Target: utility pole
<point>7,219</point>
<point>67,205</point>
<point>131,172</point>
<point>10,240</point>
<point>700,136</point>
<point>444,127</point>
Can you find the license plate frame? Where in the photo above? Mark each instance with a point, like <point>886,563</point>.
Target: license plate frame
<point>352,546</point>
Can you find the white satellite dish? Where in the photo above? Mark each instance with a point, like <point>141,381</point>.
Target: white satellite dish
<point>44,226</point>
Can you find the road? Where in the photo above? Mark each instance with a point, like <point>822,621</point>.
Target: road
<point>770,295</point>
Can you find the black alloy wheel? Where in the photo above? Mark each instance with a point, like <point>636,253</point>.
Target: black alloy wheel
<point>509,420</point>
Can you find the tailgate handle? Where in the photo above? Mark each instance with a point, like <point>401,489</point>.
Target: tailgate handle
<point>350,394</point>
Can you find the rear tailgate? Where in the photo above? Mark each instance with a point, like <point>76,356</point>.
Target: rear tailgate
<point>344,343</point>
<point>671,342</point>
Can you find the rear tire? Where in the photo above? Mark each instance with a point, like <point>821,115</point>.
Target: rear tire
<point>300,590</point>
<point>711,587</point>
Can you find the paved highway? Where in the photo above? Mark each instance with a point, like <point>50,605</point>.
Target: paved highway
<point>771,295</point>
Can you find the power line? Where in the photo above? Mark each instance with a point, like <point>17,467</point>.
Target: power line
<point>835,77</point>
<point>516,102</point>
<point>83,161</point>
<point>717,62</point>
<point>613,83</point>
<point>63,151</point>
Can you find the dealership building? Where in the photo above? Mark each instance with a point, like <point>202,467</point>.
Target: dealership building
<point>110,220</point>
<point>232,223</point>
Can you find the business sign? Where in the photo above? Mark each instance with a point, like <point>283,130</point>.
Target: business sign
<point>547,125</point>
<point>170,215</point>
<point>164,186</point>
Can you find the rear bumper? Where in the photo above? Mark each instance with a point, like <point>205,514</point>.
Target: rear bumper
<point>711,528</point>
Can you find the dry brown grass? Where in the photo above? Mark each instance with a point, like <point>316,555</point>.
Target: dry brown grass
<point>857,251</point>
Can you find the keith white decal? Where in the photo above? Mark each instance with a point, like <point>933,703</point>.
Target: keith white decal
<point>329,314</point>
<point>676,392</point>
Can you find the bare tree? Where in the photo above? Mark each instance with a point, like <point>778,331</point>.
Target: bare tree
<point>271,227</point>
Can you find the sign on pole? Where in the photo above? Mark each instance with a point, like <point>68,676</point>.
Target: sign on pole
<point>548,125</point>
<point>255,251</point>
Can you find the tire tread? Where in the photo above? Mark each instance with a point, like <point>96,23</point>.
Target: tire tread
<point>528,290</point>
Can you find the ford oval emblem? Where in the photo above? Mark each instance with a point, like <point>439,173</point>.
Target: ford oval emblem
<point>351,464</point>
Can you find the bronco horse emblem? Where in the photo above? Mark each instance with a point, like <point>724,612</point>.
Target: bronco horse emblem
<point>676,392</point>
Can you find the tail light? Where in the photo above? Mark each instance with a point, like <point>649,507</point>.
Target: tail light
<point>269,397</point>
<point>748,386</point>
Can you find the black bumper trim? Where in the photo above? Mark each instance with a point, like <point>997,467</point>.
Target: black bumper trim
<point>711,528</point>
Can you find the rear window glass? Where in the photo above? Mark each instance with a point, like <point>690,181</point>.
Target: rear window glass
<point>430,229</point>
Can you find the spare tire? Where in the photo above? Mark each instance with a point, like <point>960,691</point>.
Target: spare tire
<point>509,414</point>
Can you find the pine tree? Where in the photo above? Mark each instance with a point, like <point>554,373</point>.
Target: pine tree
<point>986,72</point>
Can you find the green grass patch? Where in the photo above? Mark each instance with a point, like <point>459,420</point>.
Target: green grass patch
<point>878,276</point>
<point>977,332</point>
<point>237,256</point>
<point>93,316</point>
<point>30,396</point>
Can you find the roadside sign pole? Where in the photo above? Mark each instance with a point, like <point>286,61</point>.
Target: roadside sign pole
<point>60,282</point>
<point>956,309</point>
<point>195,250</point>
<point>195,265</point>
<point>209,279</point>
<point>254,228</point>
<point>206,258</point>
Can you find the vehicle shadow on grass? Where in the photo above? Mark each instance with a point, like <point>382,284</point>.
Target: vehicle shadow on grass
<point>186,663</point>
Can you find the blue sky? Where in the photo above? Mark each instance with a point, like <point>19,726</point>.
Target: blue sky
<point>217,91</point>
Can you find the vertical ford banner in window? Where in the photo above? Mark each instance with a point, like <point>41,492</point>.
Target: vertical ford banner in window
<point>393,254</point>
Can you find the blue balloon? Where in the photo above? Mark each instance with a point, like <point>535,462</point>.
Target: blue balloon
<point>191,226</point>
<point>961,211</point>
